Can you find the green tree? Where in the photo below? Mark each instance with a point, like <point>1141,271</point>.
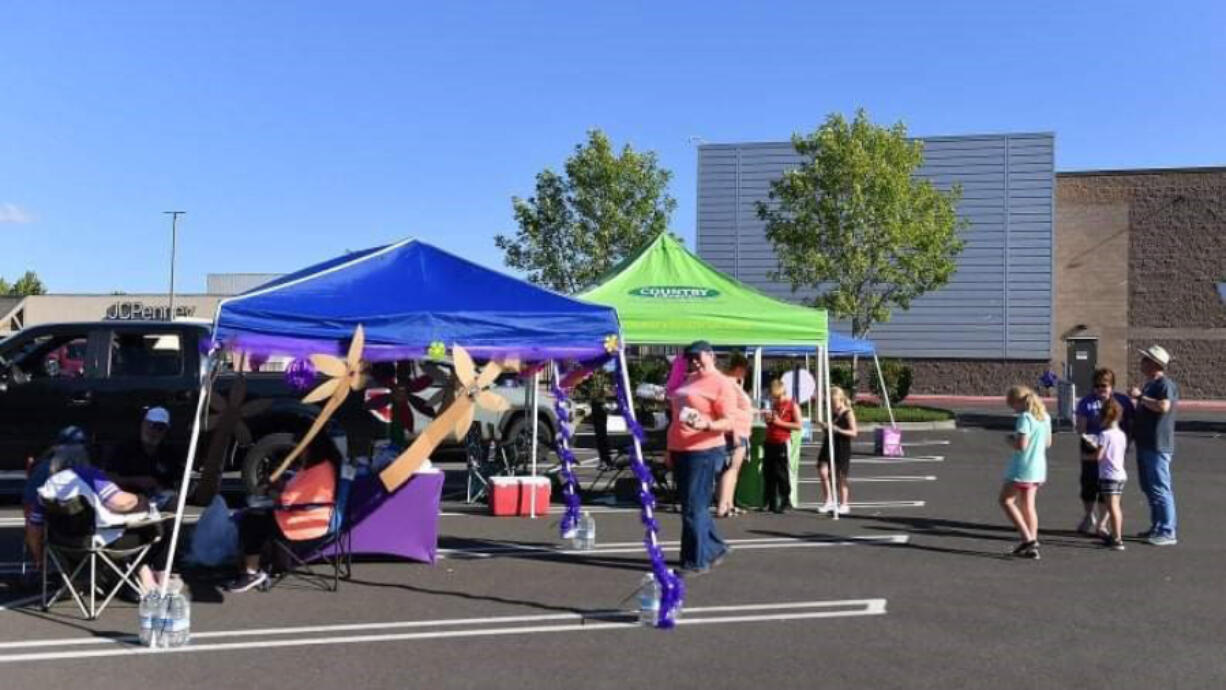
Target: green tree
<point>580,224</point>
<point>5,288</point>
<point>27,284</point>
<point>853,223</point>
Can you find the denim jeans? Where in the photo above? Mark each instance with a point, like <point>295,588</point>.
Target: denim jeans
<point>1154,470</point>
<point>695,472</point>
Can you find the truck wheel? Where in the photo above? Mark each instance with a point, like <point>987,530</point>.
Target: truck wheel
<point>263,457</point>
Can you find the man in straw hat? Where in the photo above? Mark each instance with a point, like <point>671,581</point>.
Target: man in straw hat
<point>1154,434</point>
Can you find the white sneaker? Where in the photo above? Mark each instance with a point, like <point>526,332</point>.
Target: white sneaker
<point>826,508</point>
<point>844,509</point>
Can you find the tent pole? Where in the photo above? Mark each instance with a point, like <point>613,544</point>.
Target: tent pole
<point>192,445</point>
<point>536,382</point>
<point>757,377</point>
<point>834,478</point>
<point>810,401</point>
<point>885,394</point>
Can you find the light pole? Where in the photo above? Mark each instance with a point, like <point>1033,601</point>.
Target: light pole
<point>174,241</point>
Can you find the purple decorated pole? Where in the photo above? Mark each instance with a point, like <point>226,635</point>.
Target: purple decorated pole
<point>672,589</point>
<point>570,485</point>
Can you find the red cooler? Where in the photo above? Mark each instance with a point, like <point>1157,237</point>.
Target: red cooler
<point>504,496</point>
<point>538,485</point>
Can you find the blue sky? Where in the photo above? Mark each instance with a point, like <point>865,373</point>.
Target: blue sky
<point>291,131</point>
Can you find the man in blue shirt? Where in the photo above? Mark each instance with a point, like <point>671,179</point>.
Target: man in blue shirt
<point>1154,433</point>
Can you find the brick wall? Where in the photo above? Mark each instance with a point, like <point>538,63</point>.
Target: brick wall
<point>1176,243</point>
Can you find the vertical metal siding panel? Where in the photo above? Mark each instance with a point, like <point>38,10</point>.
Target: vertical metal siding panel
<point>985,166</point>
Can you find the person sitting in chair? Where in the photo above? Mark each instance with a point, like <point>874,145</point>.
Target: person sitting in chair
<point>144,464</point>
<point>301,508</point>
<point>70,476</point>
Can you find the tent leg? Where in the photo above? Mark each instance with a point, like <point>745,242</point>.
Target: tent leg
<point>192,446</point>
<point>810,399</point>
<point>757,377</point>
<point>885,394</point>
<point>834,472</point>
<point>536,382</point>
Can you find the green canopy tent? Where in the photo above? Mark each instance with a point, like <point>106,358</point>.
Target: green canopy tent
<point>666,295</point>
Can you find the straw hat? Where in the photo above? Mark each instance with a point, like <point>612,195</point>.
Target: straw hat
<point>1157,354</point>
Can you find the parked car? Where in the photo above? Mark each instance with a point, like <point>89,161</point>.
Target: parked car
<point>101,376</point>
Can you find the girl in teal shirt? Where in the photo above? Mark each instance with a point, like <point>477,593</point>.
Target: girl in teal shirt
<point>1027,470</point>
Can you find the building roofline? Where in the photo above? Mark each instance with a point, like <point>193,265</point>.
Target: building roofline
<point>151,295</point>
<point>1142,171</point>
<point>924,137</point>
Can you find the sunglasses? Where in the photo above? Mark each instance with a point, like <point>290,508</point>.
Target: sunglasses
<point>157,426</point>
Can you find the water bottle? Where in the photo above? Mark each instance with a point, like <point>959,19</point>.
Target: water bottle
<point>587,532</point>
<point>649,600</point>
<point>161,621</point>
<point>179,620</point>
<point>149,605</point>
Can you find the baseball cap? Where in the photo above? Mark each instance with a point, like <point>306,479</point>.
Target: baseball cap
<point>158,415</point>
<point>698,347</point>
<point>70,435</point>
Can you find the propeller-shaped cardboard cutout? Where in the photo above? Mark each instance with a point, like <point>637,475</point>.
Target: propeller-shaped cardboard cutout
<point>344,375</point>
<point>227,424</point>
<point>471,391</point>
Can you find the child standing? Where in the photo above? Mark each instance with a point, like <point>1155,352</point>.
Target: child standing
<point>844,430</point>
<point>781,420</point>
<point>1027,468</point>
<point>1112,442</point>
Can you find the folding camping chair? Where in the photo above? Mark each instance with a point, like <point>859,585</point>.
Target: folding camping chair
<point>71,530</point>
<point>654,449</point>
<point>312,541</point>
<point>486,457</point>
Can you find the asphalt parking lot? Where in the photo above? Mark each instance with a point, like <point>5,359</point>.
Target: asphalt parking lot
<point>910,591</point>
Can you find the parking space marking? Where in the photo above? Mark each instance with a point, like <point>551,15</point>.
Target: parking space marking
<point>917,478</point>
<point>564,622</point>
<point>886,460</point>
<point>636,547</point>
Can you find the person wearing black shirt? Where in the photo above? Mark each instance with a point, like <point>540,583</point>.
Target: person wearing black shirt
<point>145,464</point>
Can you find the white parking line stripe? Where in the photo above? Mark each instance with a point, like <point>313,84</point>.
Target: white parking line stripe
<point>885,460</point>
<point>925,478</point>
<point>527,550</point>
<point>771,613</point>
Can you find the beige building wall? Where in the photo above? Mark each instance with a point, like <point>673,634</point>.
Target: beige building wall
<point>1091,277</point>
<point>40,309</point>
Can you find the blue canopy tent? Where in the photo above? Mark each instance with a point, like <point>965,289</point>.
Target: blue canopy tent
<point>407,296</point>
<point>840,346</point>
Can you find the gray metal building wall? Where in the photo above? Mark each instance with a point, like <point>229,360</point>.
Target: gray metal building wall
<point>998,304</point>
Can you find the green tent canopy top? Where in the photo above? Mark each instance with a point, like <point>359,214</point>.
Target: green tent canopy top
<point>665,295</point>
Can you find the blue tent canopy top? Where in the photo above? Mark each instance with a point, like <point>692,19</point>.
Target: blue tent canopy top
<point>407,296</point>
<point>840,344</point>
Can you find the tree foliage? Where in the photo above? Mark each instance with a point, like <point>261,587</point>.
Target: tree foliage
<point>581,224</point>
<point>27,284</point>
<point>853,223</point>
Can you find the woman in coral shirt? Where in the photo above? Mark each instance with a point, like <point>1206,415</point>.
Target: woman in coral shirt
<point>704,410</point>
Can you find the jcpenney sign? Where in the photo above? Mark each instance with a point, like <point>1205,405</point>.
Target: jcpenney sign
<point>674,292</point>
<point>139,311</point>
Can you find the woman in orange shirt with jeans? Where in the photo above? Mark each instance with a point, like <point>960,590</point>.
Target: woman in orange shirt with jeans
<point>704,408</point>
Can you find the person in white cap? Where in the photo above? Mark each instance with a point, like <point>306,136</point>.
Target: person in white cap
<point>1154,435</point>
<point>145,464</point>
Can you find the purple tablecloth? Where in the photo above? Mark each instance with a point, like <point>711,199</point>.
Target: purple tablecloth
<point>403,523</point>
